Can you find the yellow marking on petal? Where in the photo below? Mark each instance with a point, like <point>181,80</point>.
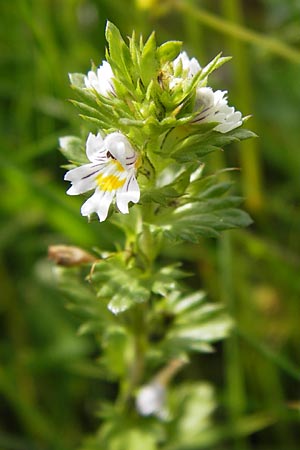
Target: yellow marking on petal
<point>109,182</point>
<point>120,168</point>
<point>138,162</point>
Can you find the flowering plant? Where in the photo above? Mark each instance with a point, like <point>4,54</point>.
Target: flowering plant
<point>151,118</point>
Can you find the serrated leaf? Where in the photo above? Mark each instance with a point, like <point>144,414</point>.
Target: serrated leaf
<point>164,281</point>
<point>195,324</point>
<point>181,305</point>
<point>205,210</point>
<point>162,196</point>
<point>199,314</point>
<point>166,194</point>
<point>215,329</point>
<point>122,287</point>
<point>215,190</point>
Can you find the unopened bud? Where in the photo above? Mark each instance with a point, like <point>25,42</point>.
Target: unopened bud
<point>69,256</point>
<point>151,399</point>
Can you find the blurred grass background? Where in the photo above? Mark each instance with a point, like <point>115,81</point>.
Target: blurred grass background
<point>48,383</point>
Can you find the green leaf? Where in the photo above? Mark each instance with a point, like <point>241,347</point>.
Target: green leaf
<point>77,80</point>
<point>217,62</point>
<point>115,344</point>
<point>207,188</point>
<point>149,64</point>
<point>73,149</point>
<point>134,51</point>
<point>82,301</point>
<point>196,222</point>
<point>166,195</point>
<point>133,439</point>
<point>164,281</point>
<point>180,305</point>
<point>119,55</point>
<point>242,133</point>
<point>192,148</point>
<point>192,406</point>
<point>121,431</point>
<point>121,286</point>
<point>187,336</point>
<point>168,51</point>
<point>208,210</point>
<point>162,196</point>
<point>91,112</point>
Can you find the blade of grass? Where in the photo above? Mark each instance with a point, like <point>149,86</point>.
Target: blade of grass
<point>236,396</point>
<point>249,155</point>
<point>278,359</point>
<point>223,26</point>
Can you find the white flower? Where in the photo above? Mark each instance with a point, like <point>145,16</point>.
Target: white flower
<point>111,173</point>
<point>213,107</point>
<point>190,67</point>
<point>151,399</point>
<point>102,80</point>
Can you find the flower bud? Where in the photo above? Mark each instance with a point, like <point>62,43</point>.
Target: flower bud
<point>69,256</point>
<point>150,399</point>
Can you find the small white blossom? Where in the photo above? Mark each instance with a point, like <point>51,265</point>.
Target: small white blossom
<point>213,107</point>
<point>111,173</point>
<point>183,63</point>
<point>151,400</point>
<point>191,65</point>
<point>102,80</point>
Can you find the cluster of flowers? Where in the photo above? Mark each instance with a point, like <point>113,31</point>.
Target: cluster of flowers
<point>114,162</point>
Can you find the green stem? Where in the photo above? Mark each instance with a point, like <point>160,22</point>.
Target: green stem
<point>135,372</point>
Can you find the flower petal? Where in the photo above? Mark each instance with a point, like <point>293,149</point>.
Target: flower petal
<point>91,80</point>
<point>99,203</point>
<point>102,81</point>
<point>111,173</point>
<point>120,148</point>
<point>213,107</point>
<point>83,178</point>
<point>130,192</point>
<point>95,149</point>
<point>192,65</point>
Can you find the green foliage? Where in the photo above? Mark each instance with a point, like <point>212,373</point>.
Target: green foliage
<point>195,325</point>
<point>73,149</point>
<point>185,145</point>
<point>194,404</point>
<point>52,379</point>
<point>204,210</point>
<point>121,285</point>
<point>151,318</point>
<point>143,98</point>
